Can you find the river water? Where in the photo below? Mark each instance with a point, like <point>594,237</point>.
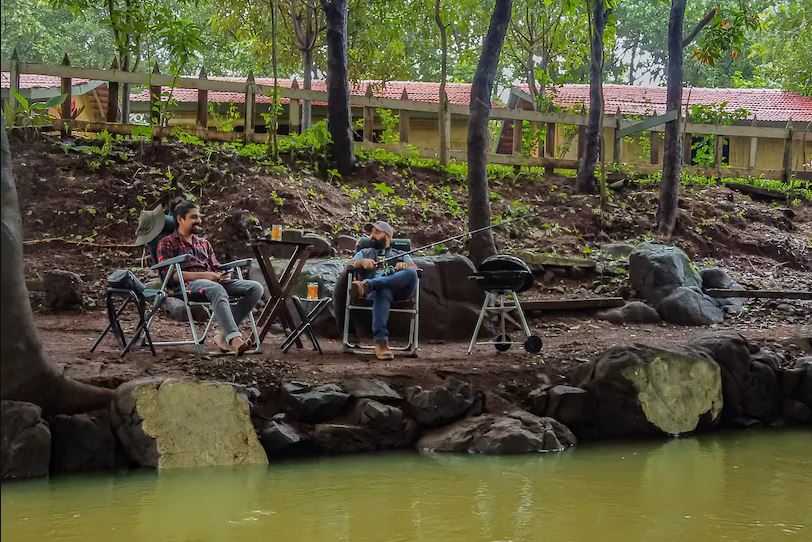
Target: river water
<point>746,485</point>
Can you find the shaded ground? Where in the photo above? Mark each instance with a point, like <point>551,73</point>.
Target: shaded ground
<point>83,219</point>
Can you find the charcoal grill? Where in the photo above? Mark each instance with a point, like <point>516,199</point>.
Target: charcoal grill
<point>503,277</point>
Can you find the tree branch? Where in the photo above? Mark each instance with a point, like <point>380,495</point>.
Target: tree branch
<point>698,28</point>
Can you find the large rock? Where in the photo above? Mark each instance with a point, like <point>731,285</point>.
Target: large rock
<point>574,407</point>
<point>515,432</point>
<point>371,413</point>
<point>713,278</point>
<point>690,307</point>
<point>278,437</point>
<point>168,423</point>
<point>63,290</point>
<point>645,390</point>
<point>345,438</point>
<point>321,245</point>
<point>371,389</point>
<point>656,270</point>
<point>83,442</point>
<point>634,312</point>
<point>449,303</point>
<point>751,388</point>
<point>25,441</point>
<point>175,309</point>
<point>314,404</point>
<point>441,404</point>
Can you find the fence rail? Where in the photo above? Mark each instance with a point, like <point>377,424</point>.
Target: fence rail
<point>541,155</point>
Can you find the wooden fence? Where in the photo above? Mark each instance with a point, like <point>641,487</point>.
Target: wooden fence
<point>542,155</point>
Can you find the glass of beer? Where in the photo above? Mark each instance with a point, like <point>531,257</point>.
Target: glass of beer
<point>312,291</point>
<point>276,232</point>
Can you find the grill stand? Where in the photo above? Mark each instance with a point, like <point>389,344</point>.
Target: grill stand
<point>495,302</point>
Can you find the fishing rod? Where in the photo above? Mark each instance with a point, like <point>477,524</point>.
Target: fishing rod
<point>454,238</point>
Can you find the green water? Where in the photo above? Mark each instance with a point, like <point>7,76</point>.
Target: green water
<point>736,486</point>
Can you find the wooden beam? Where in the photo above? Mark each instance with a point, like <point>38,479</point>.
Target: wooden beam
<point>65,89</point>
<point>718,151</point>
<point>14,84</point>
<point>617,148</point>
<point>787,154</point>
<point>369,118</point>
<point>405,119</point>
<point>751,161</point>
<point>112,95</point>
<point>760,294</point>
<point>647,124</point>
<point>250,103</point>
<point>202,120</point>
<point>155,105</point>
<point>589,303</point>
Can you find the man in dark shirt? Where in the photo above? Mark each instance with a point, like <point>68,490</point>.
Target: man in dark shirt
<point>394,281</point>
<point>202,275</point>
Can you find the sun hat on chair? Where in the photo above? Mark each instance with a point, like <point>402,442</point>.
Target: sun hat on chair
<point>150,224</point>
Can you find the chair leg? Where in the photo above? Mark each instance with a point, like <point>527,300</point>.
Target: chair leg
<point>144,325</point>
<point>482,312</point>
<point>113,324</point>
<point>255,333</point>
<point>522,318</point>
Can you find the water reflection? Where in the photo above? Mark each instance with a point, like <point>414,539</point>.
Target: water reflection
<point>741,486</point>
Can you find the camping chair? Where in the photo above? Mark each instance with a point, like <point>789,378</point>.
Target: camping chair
<point>408,306</point>
<point>190,300</point>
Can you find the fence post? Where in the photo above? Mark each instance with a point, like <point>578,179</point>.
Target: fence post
<point>654,151</point>
<point>404,119</point>
<point>14,84</point>
<point>617,149</point>
<point>250,97</point>
<point>751,161</point>
<point>65,88</point>
<point>294,119</point>
<point>155,106</point>
<point>787,173</point>
<point>369,118</point>
<point>518,131</point>
<point>717,152</point>
<point>202,103</point>
<point>549,147</point>
<point>112,95</point>
<point>686,149</point>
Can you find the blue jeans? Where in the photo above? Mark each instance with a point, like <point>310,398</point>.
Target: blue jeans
<point>382,291</point>
<point>248,292</point>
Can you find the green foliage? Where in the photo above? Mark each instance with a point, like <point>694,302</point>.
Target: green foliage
<point>185,137</point>
<point>312,145</point>
<point>30,114</point>
<point>391,126</point>
<point>794,189</point>
<point>715,113</point>
<point>224,122</point>
<point>277,202</point>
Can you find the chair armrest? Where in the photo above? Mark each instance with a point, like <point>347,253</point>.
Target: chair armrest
<point>171,261</point>
<point>236,263</point>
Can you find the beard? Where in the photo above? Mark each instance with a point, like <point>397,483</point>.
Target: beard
<point>197,229</point>
<point>378,244</point>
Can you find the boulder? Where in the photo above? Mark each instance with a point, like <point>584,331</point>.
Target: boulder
<point>656,270</point>
<point>63,290</point>
<point>440,404</point>
<point>277,437</point>
<point>378,416</point>
<point>25,441</point>
<point>795,411</point>
<point>574,407</point>
<point>537,401</point>
<point>175,309</point>
<point>314,404</point>
<point>690,307</point>
<point>634,312</point>
<point>321,245</point>
<point>345,244</point>
<point>646,390</point>
<point>371,389</point>
<point>83,442</point>
<point>169,423</point>
<point>449,304</point>
<point>715,277</point>
<point>751,388</point>
<point>515,432</point>
<point>344,438</point>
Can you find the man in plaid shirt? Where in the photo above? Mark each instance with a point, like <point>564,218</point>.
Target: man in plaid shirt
<point>202,275</point>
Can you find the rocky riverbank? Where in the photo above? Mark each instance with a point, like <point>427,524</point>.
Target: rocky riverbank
<point>717,381</point>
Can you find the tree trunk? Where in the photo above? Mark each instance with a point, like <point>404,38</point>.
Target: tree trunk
<point>27,372</point>
<point>672,147</point>
<point>339,119</point>
<point>479,212</point>
<point>585,181</point>
<point>307,64</point>
<point>441,112</point>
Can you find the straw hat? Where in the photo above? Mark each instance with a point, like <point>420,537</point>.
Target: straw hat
<point>150,224</point>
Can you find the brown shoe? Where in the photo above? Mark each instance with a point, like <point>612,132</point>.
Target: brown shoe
<point>382,351</point>
<point>358,289</point>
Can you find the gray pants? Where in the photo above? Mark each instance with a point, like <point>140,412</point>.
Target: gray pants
<point>248,293</point>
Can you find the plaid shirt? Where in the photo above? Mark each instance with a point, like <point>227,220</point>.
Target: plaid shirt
<point>203,258</point>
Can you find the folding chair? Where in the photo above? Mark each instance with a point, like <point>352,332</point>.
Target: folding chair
<point>408,306</point>
<point>173,267</point>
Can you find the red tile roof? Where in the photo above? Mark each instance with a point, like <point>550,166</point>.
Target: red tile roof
<point>458,93</point>
<point>766,104</point>
<point>28,80</point>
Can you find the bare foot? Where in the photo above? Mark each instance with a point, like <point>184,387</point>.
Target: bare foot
<point>239,345</point>
<point>220,341</point>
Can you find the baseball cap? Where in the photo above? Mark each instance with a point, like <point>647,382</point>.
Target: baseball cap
<point>380,225</point>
